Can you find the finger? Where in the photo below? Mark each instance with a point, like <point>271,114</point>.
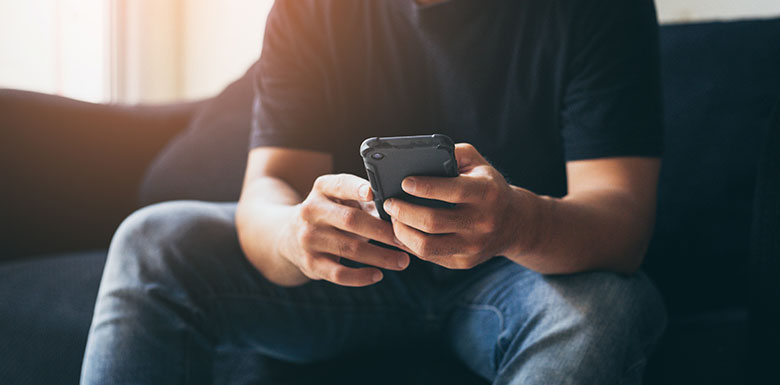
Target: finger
<point>341,244</point>
<point>461,189</point>
<point>429,220</point>
<point>344,186</point>
<point>328,268</point>
<point>351,203</point>
<point>467,156</point>
<point>436,248</point>
<point>358,222</point>
<point>369,207</point>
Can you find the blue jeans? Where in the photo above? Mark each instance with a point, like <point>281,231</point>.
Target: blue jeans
<point>176,288</point>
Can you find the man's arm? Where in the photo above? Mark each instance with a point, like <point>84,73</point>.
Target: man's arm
<point>295,221</point>
<point>267,202</point>
<point>604,223</point>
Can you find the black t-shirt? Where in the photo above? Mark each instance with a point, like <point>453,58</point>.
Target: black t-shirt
<point>530,83</point>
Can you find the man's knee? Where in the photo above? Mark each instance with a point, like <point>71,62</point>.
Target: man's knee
<point>175,222</point>
<point>156,240</point>
<point>600,304</point>
<point>603,321</point>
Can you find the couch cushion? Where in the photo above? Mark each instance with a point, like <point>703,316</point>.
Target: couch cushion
<point>45,311</point>
<point>720,82</point>
<point>207,160</point>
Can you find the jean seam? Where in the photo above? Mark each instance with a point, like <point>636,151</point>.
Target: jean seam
<point>646,351</point>
<point>501,324</point>
<point>187,359</point>
<point>635,366</point>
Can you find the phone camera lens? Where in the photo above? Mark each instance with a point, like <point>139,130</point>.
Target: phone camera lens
<point>377,156</point>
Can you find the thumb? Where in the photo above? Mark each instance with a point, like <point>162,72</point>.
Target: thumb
<point>467,156</point>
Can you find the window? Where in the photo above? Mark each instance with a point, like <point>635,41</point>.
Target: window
<point>56,46</point>
<point>128,51</point>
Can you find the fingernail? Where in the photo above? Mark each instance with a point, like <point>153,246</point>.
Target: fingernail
<point>377,276</point>
<point>408,185</point>
<point>363,191</point>
<point>389,207</point>
<point>403,261</point>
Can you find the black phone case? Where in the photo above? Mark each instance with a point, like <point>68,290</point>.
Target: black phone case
<point>389,160</point>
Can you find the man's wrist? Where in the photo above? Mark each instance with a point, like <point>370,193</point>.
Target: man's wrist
<point>284,246</point>
<point>269,252</point>
<point>528,222</point>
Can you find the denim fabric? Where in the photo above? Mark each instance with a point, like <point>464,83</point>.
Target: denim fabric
<point>177,289</point>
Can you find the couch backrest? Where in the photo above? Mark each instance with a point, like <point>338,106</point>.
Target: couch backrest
<point>765,262</point>
<point>207,160</point>
<point>720,83</point>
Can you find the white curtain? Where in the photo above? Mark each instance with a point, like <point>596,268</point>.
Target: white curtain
<point>56,46</point>
<point>128,51</point>
<point>183,49</point>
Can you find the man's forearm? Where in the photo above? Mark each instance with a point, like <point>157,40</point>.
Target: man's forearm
<point>593,230</point>
<point>265,208</point>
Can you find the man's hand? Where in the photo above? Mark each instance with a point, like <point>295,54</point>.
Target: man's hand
<point>330,224</point>
<point>482,224</point>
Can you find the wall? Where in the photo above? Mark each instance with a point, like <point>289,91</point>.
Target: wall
<point>675,11</point>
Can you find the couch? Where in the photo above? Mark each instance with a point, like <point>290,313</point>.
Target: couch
<point>71,171</point>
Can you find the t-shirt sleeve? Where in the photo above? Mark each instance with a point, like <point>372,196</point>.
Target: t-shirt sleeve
<point>289,108</point>
<point>612,95</point>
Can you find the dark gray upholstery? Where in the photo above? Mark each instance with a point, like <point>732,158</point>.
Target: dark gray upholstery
<point>69,170</point>
<point>720,83</point>
<point>45,309</point>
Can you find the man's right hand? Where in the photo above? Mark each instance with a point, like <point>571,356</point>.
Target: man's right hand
<point>329,224</point>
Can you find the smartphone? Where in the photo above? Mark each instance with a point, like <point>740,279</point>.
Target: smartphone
<point>391,159</point>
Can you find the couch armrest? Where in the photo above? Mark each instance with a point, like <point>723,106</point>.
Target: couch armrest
<point>70,170</point>
<point>765,259</point>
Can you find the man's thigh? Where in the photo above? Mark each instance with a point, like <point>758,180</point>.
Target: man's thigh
<point>512,325</point>
<point>179,266</point>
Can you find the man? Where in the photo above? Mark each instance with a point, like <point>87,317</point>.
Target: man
<point>532,282</point>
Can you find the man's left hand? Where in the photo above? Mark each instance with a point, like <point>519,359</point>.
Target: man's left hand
<point>484,223</point>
